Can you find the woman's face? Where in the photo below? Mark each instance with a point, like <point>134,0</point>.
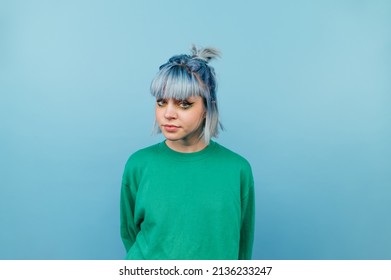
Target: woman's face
<point>181,121</point>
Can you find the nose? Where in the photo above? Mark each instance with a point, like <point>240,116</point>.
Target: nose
<point>170,112</point>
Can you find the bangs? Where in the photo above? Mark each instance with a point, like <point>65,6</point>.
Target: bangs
<point>176,82</point>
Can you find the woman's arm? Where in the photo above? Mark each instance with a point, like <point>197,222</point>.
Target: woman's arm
<point>247,216</point>
<point>247,229</point>
<point>128,227</point>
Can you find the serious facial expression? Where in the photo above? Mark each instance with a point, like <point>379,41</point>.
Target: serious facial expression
<point>181,120</point>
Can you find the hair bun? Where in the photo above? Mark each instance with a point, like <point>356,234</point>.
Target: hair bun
<point>179,59</point>
<point>205,54</point>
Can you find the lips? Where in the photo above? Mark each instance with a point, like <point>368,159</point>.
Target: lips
<point>170,128</point>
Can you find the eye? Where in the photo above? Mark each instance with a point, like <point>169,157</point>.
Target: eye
<point>161,102</point>
<point>184,104</point>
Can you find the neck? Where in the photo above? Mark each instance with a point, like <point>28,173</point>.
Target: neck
<point>186,147</point>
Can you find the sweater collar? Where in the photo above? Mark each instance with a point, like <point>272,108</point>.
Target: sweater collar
<point>207,151</point>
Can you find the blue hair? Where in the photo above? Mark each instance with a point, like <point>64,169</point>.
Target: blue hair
<point>184,76</point>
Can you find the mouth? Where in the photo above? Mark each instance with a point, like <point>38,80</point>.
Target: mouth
<point>170,127</point>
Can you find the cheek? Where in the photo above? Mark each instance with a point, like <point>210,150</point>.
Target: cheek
<point>158,110</point>
<point>158,113</point>
<point>199,118</point>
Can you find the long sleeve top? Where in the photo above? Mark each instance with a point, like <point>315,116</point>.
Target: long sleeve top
<point>187,205</point>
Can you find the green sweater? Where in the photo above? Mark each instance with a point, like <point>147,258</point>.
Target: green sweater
<point>187,205</point>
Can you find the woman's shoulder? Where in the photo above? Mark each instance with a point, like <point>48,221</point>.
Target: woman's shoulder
<point>146,151</point>
<point>232,156</point>
<point>142,155</point>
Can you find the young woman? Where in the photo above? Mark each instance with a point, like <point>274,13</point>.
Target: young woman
<point>187,197</point>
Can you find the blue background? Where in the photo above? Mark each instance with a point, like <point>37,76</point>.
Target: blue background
<point>304,92</point>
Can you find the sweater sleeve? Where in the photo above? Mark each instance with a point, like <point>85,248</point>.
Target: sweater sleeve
<point>248,217</point>
<point>128,228</point>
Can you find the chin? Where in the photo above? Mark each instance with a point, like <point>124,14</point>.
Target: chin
<point>170,137</point>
